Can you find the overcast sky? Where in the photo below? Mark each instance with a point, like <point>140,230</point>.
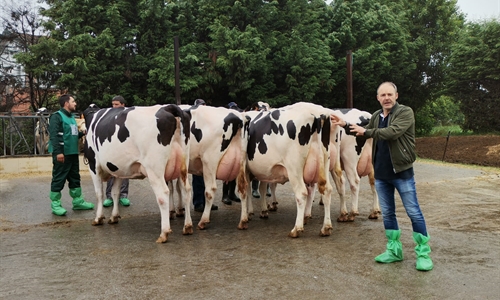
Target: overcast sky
<point>480,9</point>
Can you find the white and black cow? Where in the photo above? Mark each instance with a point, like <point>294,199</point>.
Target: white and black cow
<point>291,144</point>
<point>217,150</point>
<point>356,161</point>
<point>139,142</point>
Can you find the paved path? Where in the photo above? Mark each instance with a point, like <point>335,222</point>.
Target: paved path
<point>43,256</point>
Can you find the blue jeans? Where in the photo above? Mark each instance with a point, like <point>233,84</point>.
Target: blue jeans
<point>408,193</point>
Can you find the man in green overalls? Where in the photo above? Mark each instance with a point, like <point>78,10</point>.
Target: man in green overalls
<point>63,145</point>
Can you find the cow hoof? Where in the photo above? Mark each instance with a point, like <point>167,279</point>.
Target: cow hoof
<point>295,232</point>
<point>373,216</point>
<point>98,221</point>
<point>114,219</point>
<point>162,239</point>
<point>326,231</point>
<point>264,215</point>
<point>243,225</point>
<point>188,230</point>
<point>342,218</point>
<point>307,218</point>
<point>201,226</point>
<point>171,215</point>
<point>273,206</point>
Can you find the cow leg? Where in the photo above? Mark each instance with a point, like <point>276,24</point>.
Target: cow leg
<point>274,203</point>
<point>300,191</point>
<point>311,189</point>
<point>264,213</point>
<point>180,208</point>
<point>327,228</point>
<point>244,186</point>
<point>340,185</point>
<point>376,208</point>
<point>185,192</point>
<point>171,205</point>
<point>115,195</point>
<point>162,194</point>
<point>354,182</point>
<point>210,188</point>
<point>98,187</point>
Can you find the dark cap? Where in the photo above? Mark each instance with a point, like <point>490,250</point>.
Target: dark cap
<point>232,104</point>
<point>199,102</point>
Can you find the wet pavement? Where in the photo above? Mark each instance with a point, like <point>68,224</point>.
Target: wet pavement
<point>43,256</point>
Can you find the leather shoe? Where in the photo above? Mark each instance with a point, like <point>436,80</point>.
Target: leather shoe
<point>227,201</point>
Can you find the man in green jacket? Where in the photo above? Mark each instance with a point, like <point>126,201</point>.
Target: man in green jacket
<point>63,145</point>
<point>393,131</point>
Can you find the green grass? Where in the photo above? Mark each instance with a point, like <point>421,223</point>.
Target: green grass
<point>453,129</point>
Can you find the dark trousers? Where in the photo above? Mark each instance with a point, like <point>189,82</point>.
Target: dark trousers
<point>123,188</point>
<point>68,170</point>
<point>198,191</point>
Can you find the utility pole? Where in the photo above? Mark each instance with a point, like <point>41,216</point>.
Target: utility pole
<point>177,81</point>
<point>349,103</point>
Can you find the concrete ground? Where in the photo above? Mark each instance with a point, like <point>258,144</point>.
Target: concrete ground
<point>43,256</point>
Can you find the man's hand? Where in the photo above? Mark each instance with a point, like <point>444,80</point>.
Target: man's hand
<point>336,120</point>
<point>353,128</point>
<point>60,158</point>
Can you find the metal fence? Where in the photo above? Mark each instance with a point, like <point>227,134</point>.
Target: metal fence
<point>22,135</point>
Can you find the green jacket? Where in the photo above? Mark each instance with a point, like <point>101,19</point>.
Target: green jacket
<point>399,134</point>
<point>63,132</point>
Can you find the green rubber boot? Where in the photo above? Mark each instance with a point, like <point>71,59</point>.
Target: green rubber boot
<point>57,209</point>
<point>78,202</point>
<point>124,201</point>
<point>424,261</point>
<point>394,250</point>
<point>108,202</point>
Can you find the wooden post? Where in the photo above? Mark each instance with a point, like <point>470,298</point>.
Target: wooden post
<point>349,103</point>
<point>177,81</point>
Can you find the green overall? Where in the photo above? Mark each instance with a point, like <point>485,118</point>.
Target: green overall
<point>64,137</point>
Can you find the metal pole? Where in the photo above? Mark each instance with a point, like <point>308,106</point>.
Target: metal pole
<point>349,79</point>
<point>177,81</point>
<point>446,145</point>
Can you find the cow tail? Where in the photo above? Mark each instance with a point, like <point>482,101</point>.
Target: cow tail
<point>185,117</point>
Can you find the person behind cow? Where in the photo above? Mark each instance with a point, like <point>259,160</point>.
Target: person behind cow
<point>393,131</point>
<point>117,101</point>
<point>228,188</point>
<point>199,183</point>
<point>63,144</point>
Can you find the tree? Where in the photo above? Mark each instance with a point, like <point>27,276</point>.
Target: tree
<point>433,26</point>
<point>23,30</point>
<point>474,75</point>
<point>380,45</point>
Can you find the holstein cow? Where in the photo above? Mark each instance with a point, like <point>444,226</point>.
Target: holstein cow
<point>356,161</point>
<point>348,153</point>
<point>291,144</point>
<point>217,150</point>
<point>152,142</point>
